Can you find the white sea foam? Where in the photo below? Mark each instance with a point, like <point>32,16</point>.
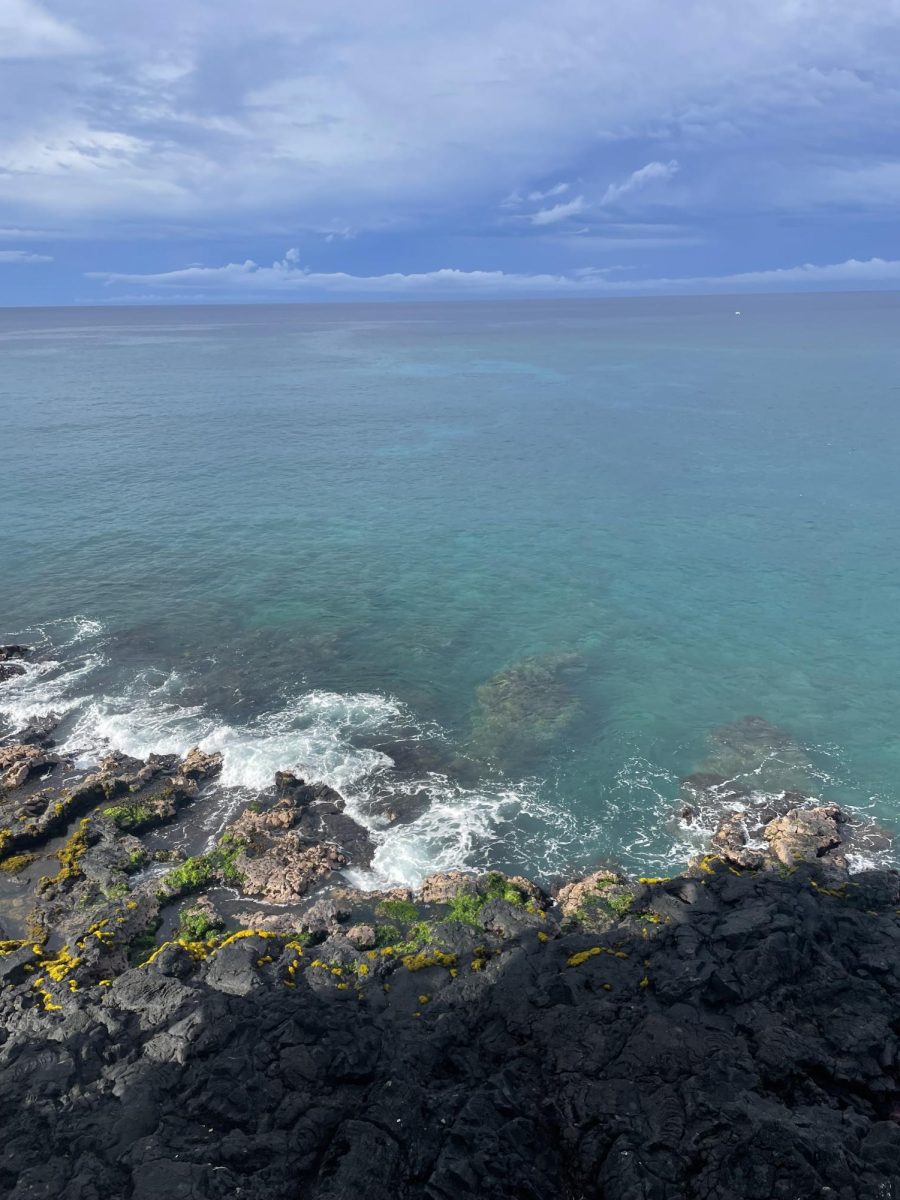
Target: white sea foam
<point>51,686</point>
<point>311,734</point>
<point>315,734</point>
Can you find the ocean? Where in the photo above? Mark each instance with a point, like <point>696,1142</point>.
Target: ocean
<point>499,572</point>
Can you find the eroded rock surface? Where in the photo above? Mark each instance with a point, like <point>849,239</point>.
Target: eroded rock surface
<point>726,1033</point>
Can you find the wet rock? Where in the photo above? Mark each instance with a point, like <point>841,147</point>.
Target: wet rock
<point>198,765</point>
<point>287,868</point>
<point>754,753</point>
<point>13,652</point>
<point>9,670</point>
<point>314,812</point>
<point>198,918</point>
<point>20,761</point>
<point>576,898</point>
<point>807,835</point>
<point>38,731</point>
<point>444,885</point>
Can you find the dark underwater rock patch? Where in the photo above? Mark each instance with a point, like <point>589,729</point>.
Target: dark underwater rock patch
<point>526,709</point>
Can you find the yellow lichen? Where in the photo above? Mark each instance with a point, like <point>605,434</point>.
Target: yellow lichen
<point>423,999</point>
<point>543,937</point>
<point>16,863</point>
<point>428,958</point>
<point>60,967</point>
<point>575,960</point>
<point>705,863</point>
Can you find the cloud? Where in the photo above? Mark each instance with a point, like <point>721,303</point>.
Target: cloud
<point>28,31</point>
<point>559,212</point>
<point>23,256</point>
<point>558,189</point>
<point>386,115</point>
<point>653,172</point>
<point>285,277</point>
<point>852,270</point>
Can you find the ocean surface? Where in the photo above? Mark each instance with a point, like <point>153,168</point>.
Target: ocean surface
<point>497,571</point>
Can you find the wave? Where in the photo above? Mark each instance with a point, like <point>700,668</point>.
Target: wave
<point>421,820</point>
<point>53,680</point>
<point>320,735</point>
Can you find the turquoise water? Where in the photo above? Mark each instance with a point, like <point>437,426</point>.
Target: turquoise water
<point>308,535</point>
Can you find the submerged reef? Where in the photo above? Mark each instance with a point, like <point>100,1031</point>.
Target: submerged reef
<point>524,711</point>
<point>242,1023</point>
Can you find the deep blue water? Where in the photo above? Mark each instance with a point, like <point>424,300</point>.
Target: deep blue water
<point>308,535</point>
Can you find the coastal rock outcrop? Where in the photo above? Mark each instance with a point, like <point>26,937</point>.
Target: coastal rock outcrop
<point>731,1031</point>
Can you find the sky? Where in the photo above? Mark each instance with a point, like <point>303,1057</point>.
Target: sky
<point>196,151</point>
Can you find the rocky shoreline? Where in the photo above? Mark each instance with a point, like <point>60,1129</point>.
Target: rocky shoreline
<point>242,1023</point>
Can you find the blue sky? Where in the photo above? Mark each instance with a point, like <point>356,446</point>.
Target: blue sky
<point>217,150</point>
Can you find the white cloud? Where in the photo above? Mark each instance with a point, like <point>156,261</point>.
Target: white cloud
<point>285,277</point>
<point>653,172</point>
<point>27,31</point>
<point>388,114</point>
<point>852,270</point>
<point>558,189</point>
<point>559,212</point>
<point>23,256</point>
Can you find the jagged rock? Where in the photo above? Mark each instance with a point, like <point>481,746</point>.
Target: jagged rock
<point>315,812</point>
<point>361,936</point>
<point>325,916</point>
<point>38,731</point>
<point>12,652</point>
<point>197,765</point>
<point>444,885</point>
<point>199,917</point>
<point>9,670</point>
<point>287,868</point>
<point>746,1047</point>
<point>19,761</point>
<point>807,834</point>
<point>282,922</point>
<point>574,898</point>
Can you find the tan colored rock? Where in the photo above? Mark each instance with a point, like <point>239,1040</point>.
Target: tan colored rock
<point>573,897</point>
<point>362,936</point>
<point>196,764</point>
<point>287,869</point>
<point>19,761</point>
<point>441,887</point>
<point>250,823</point>
<point>807,835</point>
